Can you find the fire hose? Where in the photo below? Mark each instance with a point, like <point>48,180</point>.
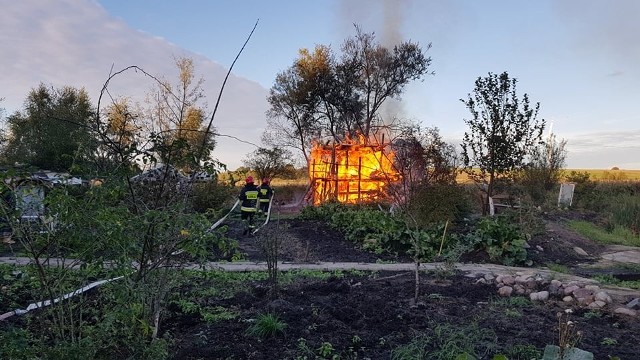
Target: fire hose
<point>217,223</point>
<point>266,221</point>
<point>41,304</point>
<point>221,220</point>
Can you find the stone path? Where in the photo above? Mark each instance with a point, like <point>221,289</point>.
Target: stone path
<point>620,254</point>
<point>470,270</point>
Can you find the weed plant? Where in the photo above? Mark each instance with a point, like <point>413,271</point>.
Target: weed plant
<point>266,326</point>
<point>592,314</point>
<point>568,334</point>
<point>510,302</point>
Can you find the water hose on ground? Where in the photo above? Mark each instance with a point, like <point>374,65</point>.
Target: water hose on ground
<point>41,304</point>
<point>217,223</point>
<point>266,221</point>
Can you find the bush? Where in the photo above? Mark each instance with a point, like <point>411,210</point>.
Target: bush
<point>440,203</point>
<point>447,342</point>
<point>211,195</point>
<point>381,232</point>
<point>374,230</point>
<point>502,239</point>
<point>322,212</point>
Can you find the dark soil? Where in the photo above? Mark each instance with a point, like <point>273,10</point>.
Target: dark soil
<point>368,316</point>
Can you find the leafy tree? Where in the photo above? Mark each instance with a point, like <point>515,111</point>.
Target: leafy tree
<point>52,132</point>
<point>121,126</point>
<point>323,96</point>
<point>502,129</point>
<point>175,120</point>
<point>269,163</point>
<point>378,73</point>
<point>423,159</point>
<point>290,119</point>
<point>121,136</point>
<point>545,168</point>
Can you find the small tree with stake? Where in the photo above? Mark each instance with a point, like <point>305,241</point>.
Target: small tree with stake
<point>423,160</point>
<point>502,129</point>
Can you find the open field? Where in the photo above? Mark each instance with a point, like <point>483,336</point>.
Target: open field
<point>608,175</point>
<point>594,175</point>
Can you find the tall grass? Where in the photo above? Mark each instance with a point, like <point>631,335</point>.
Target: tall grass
<point>625,210</point>
<point>617,236</point>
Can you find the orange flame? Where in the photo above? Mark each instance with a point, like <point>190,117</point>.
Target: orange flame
<point>351,172</point>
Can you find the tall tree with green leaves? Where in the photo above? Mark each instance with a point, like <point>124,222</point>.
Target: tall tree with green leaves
<point>502,129</point>
<point>52,132</point>
<point>326,96</point>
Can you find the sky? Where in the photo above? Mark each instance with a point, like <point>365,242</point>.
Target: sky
<point>577,58</point>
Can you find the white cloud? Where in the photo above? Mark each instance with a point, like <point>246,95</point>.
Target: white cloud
<point>76,43</point>
<point>604,150</point>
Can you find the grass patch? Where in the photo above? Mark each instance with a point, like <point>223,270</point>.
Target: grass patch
<point>563,269</point>
<point>618,236</point>
<point>266,326</point>
<point>447,341</point>
<point>611,280</point>
<point>510,302</point>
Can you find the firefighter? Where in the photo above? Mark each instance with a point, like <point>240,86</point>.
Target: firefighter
<point>266,193</point>
<point>249,205</point>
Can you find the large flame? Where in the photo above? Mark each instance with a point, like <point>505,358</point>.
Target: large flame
<point>351,172</point>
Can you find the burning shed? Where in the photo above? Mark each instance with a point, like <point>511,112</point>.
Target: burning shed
<point>352,171</point>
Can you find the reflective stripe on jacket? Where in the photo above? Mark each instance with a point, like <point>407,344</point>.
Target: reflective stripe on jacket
<point>249,198</point>
<point>265,193</point>
<point>248,209</point>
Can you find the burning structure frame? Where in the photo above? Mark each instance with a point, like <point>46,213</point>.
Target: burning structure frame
<point>353,171</point>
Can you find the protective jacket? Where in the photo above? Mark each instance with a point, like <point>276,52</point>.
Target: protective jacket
<point>265,193</point>
<point>249,198</point>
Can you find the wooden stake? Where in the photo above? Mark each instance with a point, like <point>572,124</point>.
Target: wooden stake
<point>443,235</point>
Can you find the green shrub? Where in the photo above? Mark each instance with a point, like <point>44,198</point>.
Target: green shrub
<point>439,203</point>
<point>322,212</point>
<point>374,230</point>
<point>502,239</point>
<point>211,195</point>
<point>522,352</point>
<point>381,232</point>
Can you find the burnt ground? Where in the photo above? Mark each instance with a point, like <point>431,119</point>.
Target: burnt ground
<point>367,316</point>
